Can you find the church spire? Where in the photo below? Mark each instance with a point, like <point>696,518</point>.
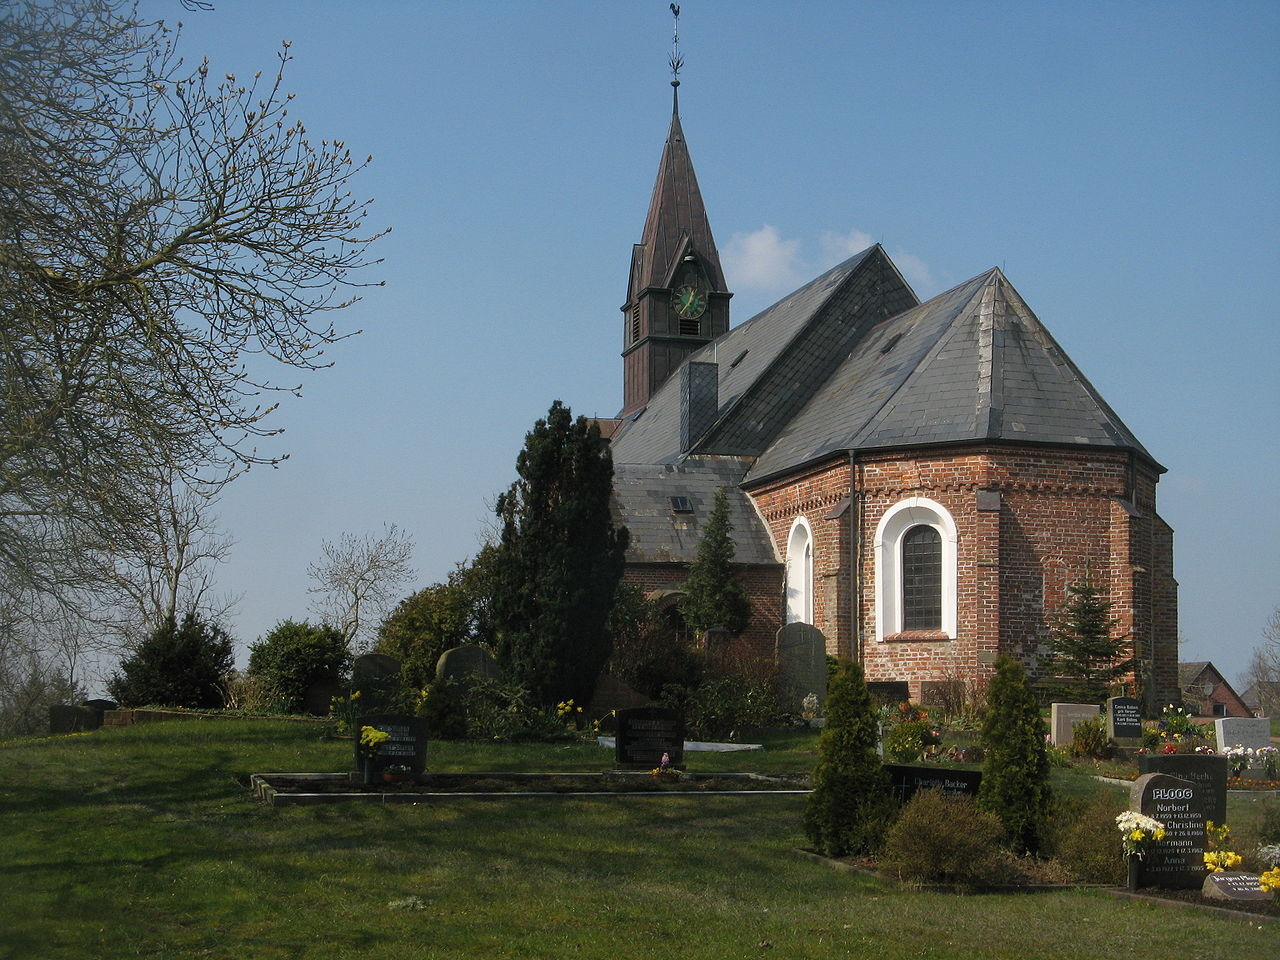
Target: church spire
<point>676,298</point>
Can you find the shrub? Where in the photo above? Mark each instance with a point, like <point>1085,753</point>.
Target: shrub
<point>178,665</point>
<point>905,742</point>
<point>718,707</point>
<point>1083,838</point>
<point>293,656</point>
<point>1089,739</point>
<point>444,710</point>
<point>851,806</point>
<point>924,846</point>
<point>1015,773</point>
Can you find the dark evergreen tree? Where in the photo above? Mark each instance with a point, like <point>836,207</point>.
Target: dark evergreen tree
<point>179,665</point>
<point>1015,768</point>
<point>558,563</point>
<point>713,595</point>
<point>1081,644</point>
<point>851,806</point>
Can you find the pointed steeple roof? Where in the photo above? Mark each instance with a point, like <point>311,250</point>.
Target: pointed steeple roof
<point>677,219</point>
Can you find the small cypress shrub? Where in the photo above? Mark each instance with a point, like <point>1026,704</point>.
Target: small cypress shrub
<point>1089,739</point>
<point>925,846</point>
<point>851,805</point>
<point>1015,772</point>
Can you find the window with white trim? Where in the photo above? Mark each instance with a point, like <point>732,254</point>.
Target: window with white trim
<point>800,572</point>
<point>915,553</point>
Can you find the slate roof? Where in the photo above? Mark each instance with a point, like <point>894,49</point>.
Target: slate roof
<point>660,534</point>
<point>828,370</point>
<point>760,361</point>
<point>972,364</point>
<point>676,219</point>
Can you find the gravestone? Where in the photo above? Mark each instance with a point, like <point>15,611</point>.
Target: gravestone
<point>1251,732</point>
<point>1063,718</point>
<point>907,778</point>
<point>1177,861</point>
<point>1208,771</point>
<point>646,733</point>
<point>468,660</point>
<point>1235,886</point>
<point>406,744</point>
<point>889,692</point>
<point>64,718</point>
<point>1124,721</point>
<point>374,666</point>
<point>800,652</point>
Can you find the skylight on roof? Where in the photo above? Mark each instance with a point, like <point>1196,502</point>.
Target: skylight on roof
<point>681,505</point>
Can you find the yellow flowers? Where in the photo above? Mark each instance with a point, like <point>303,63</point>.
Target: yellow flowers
<point>370,737</point>
<point>1270,880</point>
<point>1216,861</point>
<point>565,708</point>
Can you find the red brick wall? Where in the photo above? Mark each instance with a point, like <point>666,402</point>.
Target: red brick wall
<point>764,587</point>
<point>1062,513</point>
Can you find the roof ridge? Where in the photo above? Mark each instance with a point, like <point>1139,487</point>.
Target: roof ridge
<point>944,335</point>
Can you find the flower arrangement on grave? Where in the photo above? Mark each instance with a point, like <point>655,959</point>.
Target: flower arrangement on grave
<point>1218,858</point>
<point>343,711</point>
<point>1175,722</point>
<point>1238,759</point>
<point>1138,832</point>
<point>370,739</point>
<point>664,770</point>
<point>1270,759</point>
<point>809,706</point>
<point>1270,879</point>
<point>393,772</point>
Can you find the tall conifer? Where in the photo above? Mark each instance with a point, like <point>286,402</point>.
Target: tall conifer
<point>1015,768</point>
<point>713,595</point>
<point>559,560</point>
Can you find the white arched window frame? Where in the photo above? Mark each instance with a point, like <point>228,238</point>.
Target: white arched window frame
<point>893,526</point>
<point>800,572</point>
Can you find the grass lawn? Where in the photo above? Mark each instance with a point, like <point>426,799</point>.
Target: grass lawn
<point>142,842</point>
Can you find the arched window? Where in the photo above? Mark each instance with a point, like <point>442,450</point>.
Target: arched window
<point>915,551</point>
<point>800,573</point>
<point>922,579</point>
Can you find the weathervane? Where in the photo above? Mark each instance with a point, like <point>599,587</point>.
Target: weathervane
<point>677,61</point>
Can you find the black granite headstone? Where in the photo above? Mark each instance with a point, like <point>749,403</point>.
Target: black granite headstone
<point>1124,720</point>
<point>1208,771</point>
<point>1235,886</point>
<point>890,692</point>
<point>907,778</point>
<point>646,733</point>
<point>1177,861</point>
<point>406,744</point>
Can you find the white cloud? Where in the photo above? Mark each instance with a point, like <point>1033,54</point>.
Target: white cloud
<point>762,260</point>
<point>916,271</point>
<point>837,247</point>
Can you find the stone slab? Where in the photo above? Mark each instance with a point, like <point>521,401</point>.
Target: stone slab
<point>906,779</point>
<point>1062,720</point>
<point>1177,861</point>
<point>1234,887</point>
<point>1209,771</point>
<point>1124,721</point>
<point>406,745</point>
<point>1251,732</point>
<point>694,746</point>
<point>646,733</point>
<point>800,651</point>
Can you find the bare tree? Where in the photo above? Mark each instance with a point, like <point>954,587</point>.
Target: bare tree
<point>166,238</point>
<point>357,578</point>
<point>175,574</point>
<point>1263,673</point>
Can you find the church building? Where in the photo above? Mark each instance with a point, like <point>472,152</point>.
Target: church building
<point>921,482</point>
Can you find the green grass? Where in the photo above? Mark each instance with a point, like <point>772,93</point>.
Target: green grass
<point>142,842</point>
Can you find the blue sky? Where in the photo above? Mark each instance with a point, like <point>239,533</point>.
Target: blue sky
<point>1117,160</point>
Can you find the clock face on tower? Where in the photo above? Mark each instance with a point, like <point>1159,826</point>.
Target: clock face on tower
<point>689,302</point>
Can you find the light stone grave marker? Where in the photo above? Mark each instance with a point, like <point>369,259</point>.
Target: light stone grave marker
<point>1063,718</point>
<point>1250,732</point>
